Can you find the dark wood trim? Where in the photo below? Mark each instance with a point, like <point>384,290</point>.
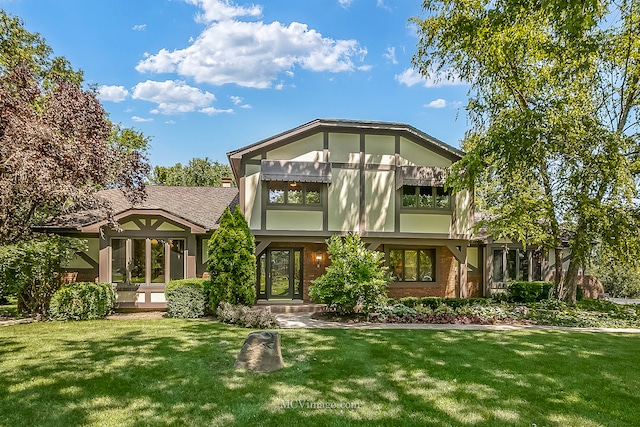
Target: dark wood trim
<point>361,213</point>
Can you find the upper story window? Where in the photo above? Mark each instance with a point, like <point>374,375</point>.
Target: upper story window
<point>294,193</point>
<point>425,197</point>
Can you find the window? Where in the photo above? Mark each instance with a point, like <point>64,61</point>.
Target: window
<point>145,261</point>
<point>425,197</point>
<point>413,265</point>
<point>515,264</point>
<point>294,193</point>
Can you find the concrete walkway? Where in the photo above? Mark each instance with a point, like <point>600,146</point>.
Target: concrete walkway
<point>304,320</point>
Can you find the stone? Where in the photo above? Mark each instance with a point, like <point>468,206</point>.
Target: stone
<point>260,352</point>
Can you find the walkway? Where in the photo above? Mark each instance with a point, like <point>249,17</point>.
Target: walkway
<point>304,320</point>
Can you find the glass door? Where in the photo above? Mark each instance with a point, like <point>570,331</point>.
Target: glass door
<point>280,274</point>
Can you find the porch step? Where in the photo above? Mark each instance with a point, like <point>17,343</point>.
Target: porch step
<point>290,308</point>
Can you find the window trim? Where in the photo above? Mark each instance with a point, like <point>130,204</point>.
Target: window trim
<point>296,206</point>
<point>403,282</point>
<point>434,208</point>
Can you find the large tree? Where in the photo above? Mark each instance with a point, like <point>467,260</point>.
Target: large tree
<point>56,144</point>
<point>198,173</point>
<point>553,102</point>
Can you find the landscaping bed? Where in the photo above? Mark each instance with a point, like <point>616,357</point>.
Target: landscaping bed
<point>586,313</point>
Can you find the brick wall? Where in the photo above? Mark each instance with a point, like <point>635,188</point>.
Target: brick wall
<point>444,287</point>
<point>591,286</point>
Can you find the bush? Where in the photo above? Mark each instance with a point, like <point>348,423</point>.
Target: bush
<point>619,280</point>
<point>187,298</point>
<point>355,281</point>
<point>529,291</point>
<point>31,270</point>
<point>232,262</point>
<point>82,301</point>
<point>246,317</point>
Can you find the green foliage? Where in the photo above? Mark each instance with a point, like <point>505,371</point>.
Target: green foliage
<point>529,291</point>
<point>232,262</point>
<point>554,101</point>
<point>619,280</point>
<point>198,173</point>
<point>355,281</point>
<point>82,301</point>
<point>31,269</point>
<point>435,302</point>
<point>187,298</point>
<point>246,317</point>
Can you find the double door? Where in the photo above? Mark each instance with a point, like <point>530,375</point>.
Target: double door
<point>280,274</point>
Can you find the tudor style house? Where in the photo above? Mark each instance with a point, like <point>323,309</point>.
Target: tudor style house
<point>384,181</point>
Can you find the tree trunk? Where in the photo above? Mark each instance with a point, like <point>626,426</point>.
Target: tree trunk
<point>558,279</point>
<point>571,282</point>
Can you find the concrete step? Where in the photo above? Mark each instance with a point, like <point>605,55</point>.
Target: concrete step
<point>290,308</point>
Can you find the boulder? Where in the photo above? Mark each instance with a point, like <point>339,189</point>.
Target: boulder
<point>260,352</point>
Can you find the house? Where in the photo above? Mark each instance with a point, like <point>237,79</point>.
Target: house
<point>384,181</point>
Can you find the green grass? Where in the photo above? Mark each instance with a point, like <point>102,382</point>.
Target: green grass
<point>180,372</point>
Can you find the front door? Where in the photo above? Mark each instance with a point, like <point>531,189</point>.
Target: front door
<point>280,274</point>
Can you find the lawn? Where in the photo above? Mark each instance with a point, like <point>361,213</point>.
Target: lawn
<point>180,372</point>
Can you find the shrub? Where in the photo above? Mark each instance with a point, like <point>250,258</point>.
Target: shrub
<point>232,262</point>
<point>618,279</point>
<point>31,270</point>
<point>82,301</point>
<point>355,281</point>
<point>529,291</point>
<point>187,298</point>
<point>246,317</point>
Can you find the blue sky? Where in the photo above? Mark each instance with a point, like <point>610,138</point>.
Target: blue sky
<point>204,77</point>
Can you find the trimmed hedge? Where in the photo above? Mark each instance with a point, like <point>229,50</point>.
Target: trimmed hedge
<point>82,301</point>
<point>529,291</point>
<point>187,298</point>
<point>435,302</point>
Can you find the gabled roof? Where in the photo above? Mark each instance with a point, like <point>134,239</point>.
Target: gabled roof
<point>198,207</point>
<point>337,125</point>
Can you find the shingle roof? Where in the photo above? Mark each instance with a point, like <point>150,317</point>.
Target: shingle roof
<point>202,206</point>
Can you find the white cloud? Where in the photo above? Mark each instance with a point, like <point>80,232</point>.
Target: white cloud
<point>112,93</point>
<point>170,122</point>
<point>381,4</point>
<point>411,77</point>
<point>391,55</point>
<point>236,99</point>
<point>141,119</point>
<point>246,106</point>
<point>437,103</point>
<point>251,54</point>
<point>345,3</point>
<point>172,96</point>
<point>223,10</point>
<point>212,111</point>
<point>139,27</point>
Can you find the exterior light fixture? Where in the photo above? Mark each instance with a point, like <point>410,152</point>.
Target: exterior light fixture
<point>318,258</point>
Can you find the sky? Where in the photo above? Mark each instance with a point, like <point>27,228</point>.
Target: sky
<point>204,77</point>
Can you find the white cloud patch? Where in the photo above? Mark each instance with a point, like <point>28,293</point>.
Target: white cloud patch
<point>172,96</point>
<point>139,27</point>
<point>246,106</point>
<point>212,111</point>
<point>345,3</point>
<point>141,119</point>
<point>382,5</point>
<point>411,77</point>
<point>391,55</point>
<point>251,54</point>
<point>112,93</point>
<point>437,103</point>
<point>170,122</point>
<point>222,10</point>
<point>237,100</point>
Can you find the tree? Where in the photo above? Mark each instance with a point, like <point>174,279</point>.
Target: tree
<point>355,281</point>
<point>553,144</point>
<point>232,262</point>
<point>32,269</point>
<point>198,173</point>
<point>56,145</point>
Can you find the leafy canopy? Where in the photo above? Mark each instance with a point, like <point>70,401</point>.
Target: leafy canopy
<point>553,144</point>
<point>56,145</point>
<point>198,173</point>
